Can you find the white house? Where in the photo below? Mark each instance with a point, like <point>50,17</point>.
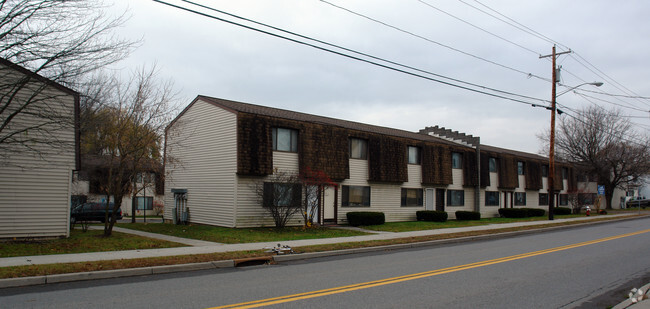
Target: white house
<point>38,153</point>
<point>222,148</point>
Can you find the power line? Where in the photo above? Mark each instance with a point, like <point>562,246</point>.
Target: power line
<point>477,27</point>
<point>355,57</point>
<point>528,74</point>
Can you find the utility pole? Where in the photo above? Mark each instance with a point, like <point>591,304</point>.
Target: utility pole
<point>551,153</point>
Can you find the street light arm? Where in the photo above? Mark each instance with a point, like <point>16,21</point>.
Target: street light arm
<point>597,84</point>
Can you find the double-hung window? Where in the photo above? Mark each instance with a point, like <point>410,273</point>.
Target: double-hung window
<point>285,139</point>
<point>543,199</point>
<point>412,197</point>
<point>414,155</point>
<point>456,160</point>
<point>358,148</point>
<point>492,163</point>
<point>491,198</point>
<point>520,198</point>
<point>455,198</point>
<point>356,196</point>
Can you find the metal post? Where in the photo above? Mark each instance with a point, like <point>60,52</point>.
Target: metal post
<point>551,153</point>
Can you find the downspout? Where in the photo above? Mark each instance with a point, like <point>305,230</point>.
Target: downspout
<point>477,190</point>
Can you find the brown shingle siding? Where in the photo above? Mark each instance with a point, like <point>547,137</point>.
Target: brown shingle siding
<point>436,165</point>
<point>507,167</point>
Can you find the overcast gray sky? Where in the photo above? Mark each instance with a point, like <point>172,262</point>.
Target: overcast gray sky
<point>610,41</point>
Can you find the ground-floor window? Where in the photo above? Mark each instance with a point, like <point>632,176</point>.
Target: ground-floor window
<point>520,198</point>
<point>412,197</point>
<point>455,198</point>
<point>356,196</point>
<point>143,203</point>
<point>543,199</point>
<point>282,194</point>
<point>564,199</point>
<point>491,198</point>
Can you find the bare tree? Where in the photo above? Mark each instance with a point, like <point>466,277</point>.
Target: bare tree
<point>123,132</point>
<point>280,195</point>
<point>314,183</point>
<point>608,147</point>
<point>60,40</point>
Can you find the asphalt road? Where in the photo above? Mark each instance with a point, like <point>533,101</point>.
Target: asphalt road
<point>582,267</point>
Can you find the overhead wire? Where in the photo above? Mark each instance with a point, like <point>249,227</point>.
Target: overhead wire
<point>578,58</point>
<point>528,74</point>
<point>354,57</point>
<point>477,27</point>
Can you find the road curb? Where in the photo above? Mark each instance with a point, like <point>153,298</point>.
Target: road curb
<point>428,243</point>
<point>163,269</point>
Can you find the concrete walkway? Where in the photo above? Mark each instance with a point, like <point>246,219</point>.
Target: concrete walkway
<point>201,247</point>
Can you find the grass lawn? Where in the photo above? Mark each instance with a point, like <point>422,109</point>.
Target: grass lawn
<point>243,235</point>
<point>79,242</point>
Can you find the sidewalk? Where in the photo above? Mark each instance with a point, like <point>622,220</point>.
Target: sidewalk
<point>202,247</point>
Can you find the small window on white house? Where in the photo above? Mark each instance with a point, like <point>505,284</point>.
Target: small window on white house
<point>285,139</point>
<point>414,155</point>
<point>358,148</point>
<point>520,168</point>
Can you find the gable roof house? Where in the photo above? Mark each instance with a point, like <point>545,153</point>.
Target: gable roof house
<point>222,148</point>
<point>39,150</point>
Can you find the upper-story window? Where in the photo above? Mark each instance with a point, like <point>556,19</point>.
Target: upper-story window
<point>414,155</point>
<point>358,148</point>
<point>492,163</point>
<point>456,160</point>
<point>285,139</point>
<point>565,173</point>
<point>544,170</point>
<point>520,168</point>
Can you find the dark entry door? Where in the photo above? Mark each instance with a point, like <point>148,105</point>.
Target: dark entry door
<point>440,199</point>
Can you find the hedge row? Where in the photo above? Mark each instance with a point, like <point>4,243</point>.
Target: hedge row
<point>431,215</point>
<point>468,215</point>
<point>521,212</point>
<point>562,211</point>
<point>357,218</point>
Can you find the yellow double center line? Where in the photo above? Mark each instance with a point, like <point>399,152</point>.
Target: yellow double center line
<point>369,284</point>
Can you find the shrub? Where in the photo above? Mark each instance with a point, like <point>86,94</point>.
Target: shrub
<point>535,212</point>
<point>513,212</point>
<point>431,215</point>
<point>468,215</point>
<point>357,218</point>
<point>602,212</point>
<point>562,211</point>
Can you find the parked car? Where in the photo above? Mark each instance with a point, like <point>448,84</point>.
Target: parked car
<point>92,212</point>
<point>639,202</point>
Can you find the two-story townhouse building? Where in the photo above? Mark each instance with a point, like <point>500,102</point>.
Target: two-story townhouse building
<point>38,153</point>
<point>222,148</point>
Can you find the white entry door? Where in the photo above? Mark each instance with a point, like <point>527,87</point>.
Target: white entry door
<point>329,212</point>
<point>429,194</point>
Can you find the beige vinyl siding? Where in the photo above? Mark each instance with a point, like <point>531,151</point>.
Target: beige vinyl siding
<point>491,211</point>
<point>457,177</point>
<point>250,212</point>
<point>35,188</point>
<point>204,141</point>
<point>384,198</point>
